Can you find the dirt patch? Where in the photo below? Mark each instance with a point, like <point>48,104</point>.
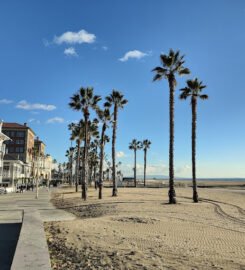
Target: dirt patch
<point>137,220</point>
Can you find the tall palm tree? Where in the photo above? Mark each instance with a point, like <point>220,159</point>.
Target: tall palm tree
<point>145,145</point>
<point>78,135</point>
<point>194,91</point>
<point>135,145</point>
<point>172,65</point>
<point>83,101</point>
<point>105,117</point>
<point>117,100</point>
<point>69,154</point>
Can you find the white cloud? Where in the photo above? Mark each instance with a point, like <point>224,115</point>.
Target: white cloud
<point>46,43</point>
<point>55,120</point>
<point>70,51</point>
<point>182,170</point>
<point>152,169</point>
<point>5,101</point>
<point>24,105</point>
<point>34,121</point>
<point>79,37</point>
<point>133,54</point>
<point>120,154</point>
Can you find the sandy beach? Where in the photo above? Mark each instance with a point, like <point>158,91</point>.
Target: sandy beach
<point>140,230</point>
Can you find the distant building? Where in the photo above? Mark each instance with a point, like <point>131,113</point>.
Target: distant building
<point>3,138</point>
<point>25,159</point>
<point>22,141</point>
<point>39,146</point>
<point>15,171</point>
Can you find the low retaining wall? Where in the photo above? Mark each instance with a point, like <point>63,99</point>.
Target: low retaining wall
<point>32,250</point>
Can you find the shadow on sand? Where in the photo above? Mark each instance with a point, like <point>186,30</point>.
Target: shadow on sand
<point>9,235</point>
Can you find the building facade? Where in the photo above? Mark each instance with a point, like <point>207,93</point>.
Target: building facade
<point>21,144</point>
<point>3,138</point>
<point>25,160</point>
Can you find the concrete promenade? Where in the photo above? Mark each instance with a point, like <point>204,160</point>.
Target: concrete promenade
<point>21,223</point>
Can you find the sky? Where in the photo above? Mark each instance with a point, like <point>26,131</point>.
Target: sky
<point>49,49</point>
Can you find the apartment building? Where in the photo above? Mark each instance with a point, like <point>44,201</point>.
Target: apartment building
<point>3,138</point>
<point>22,141</point>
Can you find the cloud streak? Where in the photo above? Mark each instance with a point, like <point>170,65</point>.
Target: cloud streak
<point>70,51</point>
<point>120,154</point>
<point>135,54</point>
<point>24,105</point>
<point>79,37</point>
<point>54,120</point>
<point>5,101</point>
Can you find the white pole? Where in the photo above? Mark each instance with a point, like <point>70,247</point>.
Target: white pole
<point>37,180</point>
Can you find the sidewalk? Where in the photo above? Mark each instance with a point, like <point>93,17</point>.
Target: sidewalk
<point>18,209</point>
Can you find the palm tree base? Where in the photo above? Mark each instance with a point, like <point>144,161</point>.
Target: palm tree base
<point>195,197</point>
<point>100,191</point>
<point>172,200</point>
<point>84,193</point>
<point>171,195</point>
<point>114,192</point>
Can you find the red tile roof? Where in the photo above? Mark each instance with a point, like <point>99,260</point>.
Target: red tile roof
<point>13,125</point>
<point>16,125</point>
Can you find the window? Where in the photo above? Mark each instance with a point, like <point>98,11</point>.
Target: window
<point>20,134</point>
<point>12,133</point>
<point>6,168</point>
<point>20,142</point>
<point>19,149</point>
<point>6,132</point>
<point>11,149</point>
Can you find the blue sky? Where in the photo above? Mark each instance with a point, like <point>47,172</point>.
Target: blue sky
<point>41,64</point>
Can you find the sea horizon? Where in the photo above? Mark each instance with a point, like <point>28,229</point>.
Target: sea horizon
<point>179,178</point>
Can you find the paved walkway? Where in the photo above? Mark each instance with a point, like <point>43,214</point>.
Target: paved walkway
<point>24,209</point>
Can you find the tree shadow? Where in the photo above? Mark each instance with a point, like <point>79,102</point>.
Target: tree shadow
<point>9,235</point>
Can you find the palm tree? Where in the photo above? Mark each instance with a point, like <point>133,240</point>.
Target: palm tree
<point>105,117</point>
<point>194,91</point>
<point>69,154</point>
<point>83,101</point>
<point>78,135</point>
<point>145,145</point>
<point>172,65</point>
<point>135,145</point>
<point>117,100</point>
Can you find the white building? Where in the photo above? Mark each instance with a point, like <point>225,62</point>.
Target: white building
<point>3,138</point>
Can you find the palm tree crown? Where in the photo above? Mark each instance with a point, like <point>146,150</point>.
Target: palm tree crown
<point>146,144</point>
<point>171,64</point>
<point>84,99</point>
<point>116,98</point>
<point>135,145</point>
<point>193,89</point>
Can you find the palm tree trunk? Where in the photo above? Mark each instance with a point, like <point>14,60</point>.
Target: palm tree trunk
<point>85,157</point>
<point>134,167</point>
<point>77,165</point>
<point>171,192</point>
<point>114,190</point>
<point>94,178</point>
<point>144,166</point>
<point>194,119</point>
<point>71,159</point>
<point>101,160</point>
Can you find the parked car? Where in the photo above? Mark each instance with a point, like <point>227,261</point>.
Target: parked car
<point>3,190</point>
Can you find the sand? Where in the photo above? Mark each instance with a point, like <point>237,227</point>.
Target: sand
<point>139,230</point>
